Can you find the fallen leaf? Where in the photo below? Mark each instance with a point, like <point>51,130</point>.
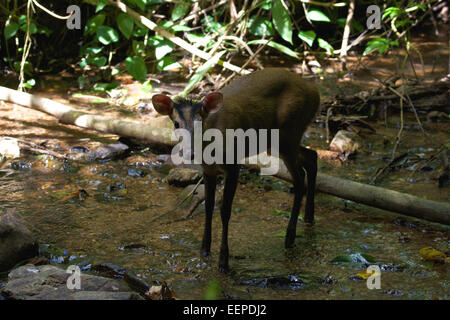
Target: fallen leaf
<point>430,254</point>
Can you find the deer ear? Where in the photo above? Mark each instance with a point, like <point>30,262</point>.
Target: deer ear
<point>162,104</point>
<point>212,102</point>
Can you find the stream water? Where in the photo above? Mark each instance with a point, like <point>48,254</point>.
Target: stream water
<point>111,221</point>
<point>89,213</point>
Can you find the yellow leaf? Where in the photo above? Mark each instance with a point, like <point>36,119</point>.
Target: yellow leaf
<point>430,254</point>
<point>365,275</point>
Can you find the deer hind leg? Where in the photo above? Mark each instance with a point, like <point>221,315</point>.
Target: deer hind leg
<point>298,175</point>
<point>308,158</point>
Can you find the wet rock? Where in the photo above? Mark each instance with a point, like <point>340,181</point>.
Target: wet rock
<point>278,282</point>
<point>137,173</point>
<point>394,292</point>
<point>119,272</point>
<point>109,270</point>
<point>392,267</point>
<point>162,292</point>
<point>133,246</point>
<point>434,116</point>
<point>9,147</point>
<point>16,241</point>
<point>110,151</point>
<point>402,222</point>
<point>48,282</point>
<point>345,142</point>
<point>181,177</point>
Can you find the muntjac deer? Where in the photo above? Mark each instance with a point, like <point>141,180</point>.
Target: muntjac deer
<point>272,98</point>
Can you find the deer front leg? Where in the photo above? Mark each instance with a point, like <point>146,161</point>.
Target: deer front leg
<point>210,192</point>
<point>231,179</point>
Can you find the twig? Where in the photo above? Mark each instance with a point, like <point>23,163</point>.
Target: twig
<point>325,4</point>
<point>198,12</point>
<point>244,65</point>
<point>57,16</point>
<point>42,151</point>
<point>397,141</point>
<point>193,206</point>
<point>351,10</point>
<point>431,158</point>
<point>171,37</point>
<point>327,125</point>
<point>179,203</point>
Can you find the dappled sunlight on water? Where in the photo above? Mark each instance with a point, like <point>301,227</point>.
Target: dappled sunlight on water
<point>112,220</point>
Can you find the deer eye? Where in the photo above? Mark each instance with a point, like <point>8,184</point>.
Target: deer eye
<point>176,124</point>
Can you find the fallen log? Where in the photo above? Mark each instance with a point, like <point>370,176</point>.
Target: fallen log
<point>151,134</point>
<point>427,97</point>
<point>374,196</point>
<point>370,195</point>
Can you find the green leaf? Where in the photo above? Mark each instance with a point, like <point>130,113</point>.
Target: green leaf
<point>22,19</point>
<point>45,30</point>
<point>30,84</point>
<point>83,63</point>
<point>155,40</point>
<point>165,24</point>
<point>179,27</point>
<point>342,258</point>
<point>198,40</point>
<point>179,11</point>
<point>100,5</point>
<point>391,12</point>
<point>141,4</point>
<point>260,26</point>
<point>93,23</point>
<point>282,213</point>
<point>98,61</point>
<point>33,28</point>
<point>138,47</point>
<point>147,86</point>
<point>10,30</point>
<point>102,86</point>
<point>267,5</point>
<point>325,45</point>
<point>198,76</point>
<point>298,234</point>
<point>379,44</point>
<point>163,48</point>
<point>106,35</point>
<point>277,46</point>
<point>316,15</point>
<point>213,290</point>
<point>27,67</point>
<point>167,63</point>
<point>136,67</point>
<point>307,36</point>
<point>368,257</point>
<point>355,258</point>
<point>281,20</point>
<point>140,32</point>
<point>416,7</point>
<point>93,50</point>
<point>125,24</point>
<point>211,25</point>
